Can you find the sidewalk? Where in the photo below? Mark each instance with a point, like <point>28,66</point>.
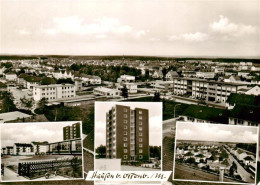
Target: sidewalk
<point>10,176</point>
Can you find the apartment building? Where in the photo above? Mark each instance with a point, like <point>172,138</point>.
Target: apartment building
<point>54,91</point>
<point>71,132</point>
<point>209,90</point>
<point>127,133</point>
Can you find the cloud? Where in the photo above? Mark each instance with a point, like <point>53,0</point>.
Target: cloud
<point>224,27</point>
<point>141,33</point>
<point>190,37</point>
<point>154,39</point>
<point>77,26</point>
<point>24,32</point>
<point>213,132</point>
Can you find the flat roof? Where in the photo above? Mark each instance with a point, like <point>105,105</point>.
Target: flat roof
<point>10,116</point>
<point>210,81</point>
<point>105,89</point>
<point>53,85</point>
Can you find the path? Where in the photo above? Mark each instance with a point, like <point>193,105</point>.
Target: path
<point>11,176</point>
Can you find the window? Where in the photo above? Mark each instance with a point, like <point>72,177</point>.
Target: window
<point>140,145</point>
<point>125,109</point>
<point>125,138</point>
<point>125,150</point>
<point>125,127</point>
<point>140,112</point>
<point>125,144</point>
<point>125,156</point>
<point>125,115</point>
<point>125,121</point>
<point>140,139</point>
<point>140,123</point>
<point>140,157</point>
<point>140,134</point>
<point>140,151</point>
<point>125,133</point>
<point>140,117</point>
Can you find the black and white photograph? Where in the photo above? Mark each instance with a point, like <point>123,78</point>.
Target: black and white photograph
<point>41,151</point>
<point>215,152</point>
<point>128,136</point>
<point>199,58</point>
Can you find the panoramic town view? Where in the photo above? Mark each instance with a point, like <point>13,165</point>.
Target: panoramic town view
<point>199,58</point>
<point>221,155</point>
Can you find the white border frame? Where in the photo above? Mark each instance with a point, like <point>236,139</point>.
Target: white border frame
<point>185,180</point>
<point>122,103</point>
<point>35,180</point>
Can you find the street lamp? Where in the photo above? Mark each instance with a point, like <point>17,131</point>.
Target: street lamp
<point>175,108</point>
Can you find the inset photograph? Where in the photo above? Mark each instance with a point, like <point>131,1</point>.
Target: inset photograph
<point>215,153</point>
<point>41,151</point>
<point>128,136</point>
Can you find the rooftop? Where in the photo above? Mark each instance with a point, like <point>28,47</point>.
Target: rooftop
<point>10,116</point>
<point>207,113</point>
<point>53,85</point>
<point>244,99</point>
<point>246,112</point>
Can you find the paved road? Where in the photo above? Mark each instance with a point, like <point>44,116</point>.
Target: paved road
<point>184,172</point>
<point>11,176</point>
<point>243,173</point>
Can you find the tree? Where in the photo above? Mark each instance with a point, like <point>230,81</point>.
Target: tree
<point>124,92</point>
<point>164,72</point>
<point>101,151</point>
<point>66,81</point>
<point>48,81</point>
<point>8,103</point>
<point>27,102</point>
<point>157,96</point>
<point>42,105</point>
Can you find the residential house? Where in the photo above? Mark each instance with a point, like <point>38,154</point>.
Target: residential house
<point>11,76</point>
<point>170,75</point>
<point>126,78</point>
<point>104,91</point>
<point>202,114</point>
<point>53,91</point>
<point>23,149</point>
<point>131,87</point>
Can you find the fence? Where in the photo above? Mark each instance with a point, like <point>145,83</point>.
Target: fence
<point>2,169</point>
<point>29,168</point>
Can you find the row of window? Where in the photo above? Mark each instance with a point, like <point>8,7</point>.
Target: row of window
<point>140,139</point>
<point>140,145</point>
<point>140,151</point>
<point>140,156</point>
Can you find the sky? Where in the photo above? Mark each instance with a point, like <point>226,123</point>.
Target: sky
<point>216,132</point>
<point>155,120</point>
<point>125,27</point>
<point>27,132</point>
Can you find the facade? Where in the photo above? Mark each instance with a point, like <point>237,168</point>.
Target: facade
<point>162,85</point>
<point>205,75</point>
<point>127,133</point>
<point>71,132</point>
<point>53,92</point>
<point>10,76</point>
<point>131,87</point>
<point>72,146</point>
<point>23,149</point>
<point>126,78</point>
<point>209,90</point>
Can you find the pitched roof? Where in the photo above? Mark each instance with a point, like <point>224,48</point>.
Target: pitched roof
<point>207,113</point>
<point>243,99</point>
<point>246,112</point>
